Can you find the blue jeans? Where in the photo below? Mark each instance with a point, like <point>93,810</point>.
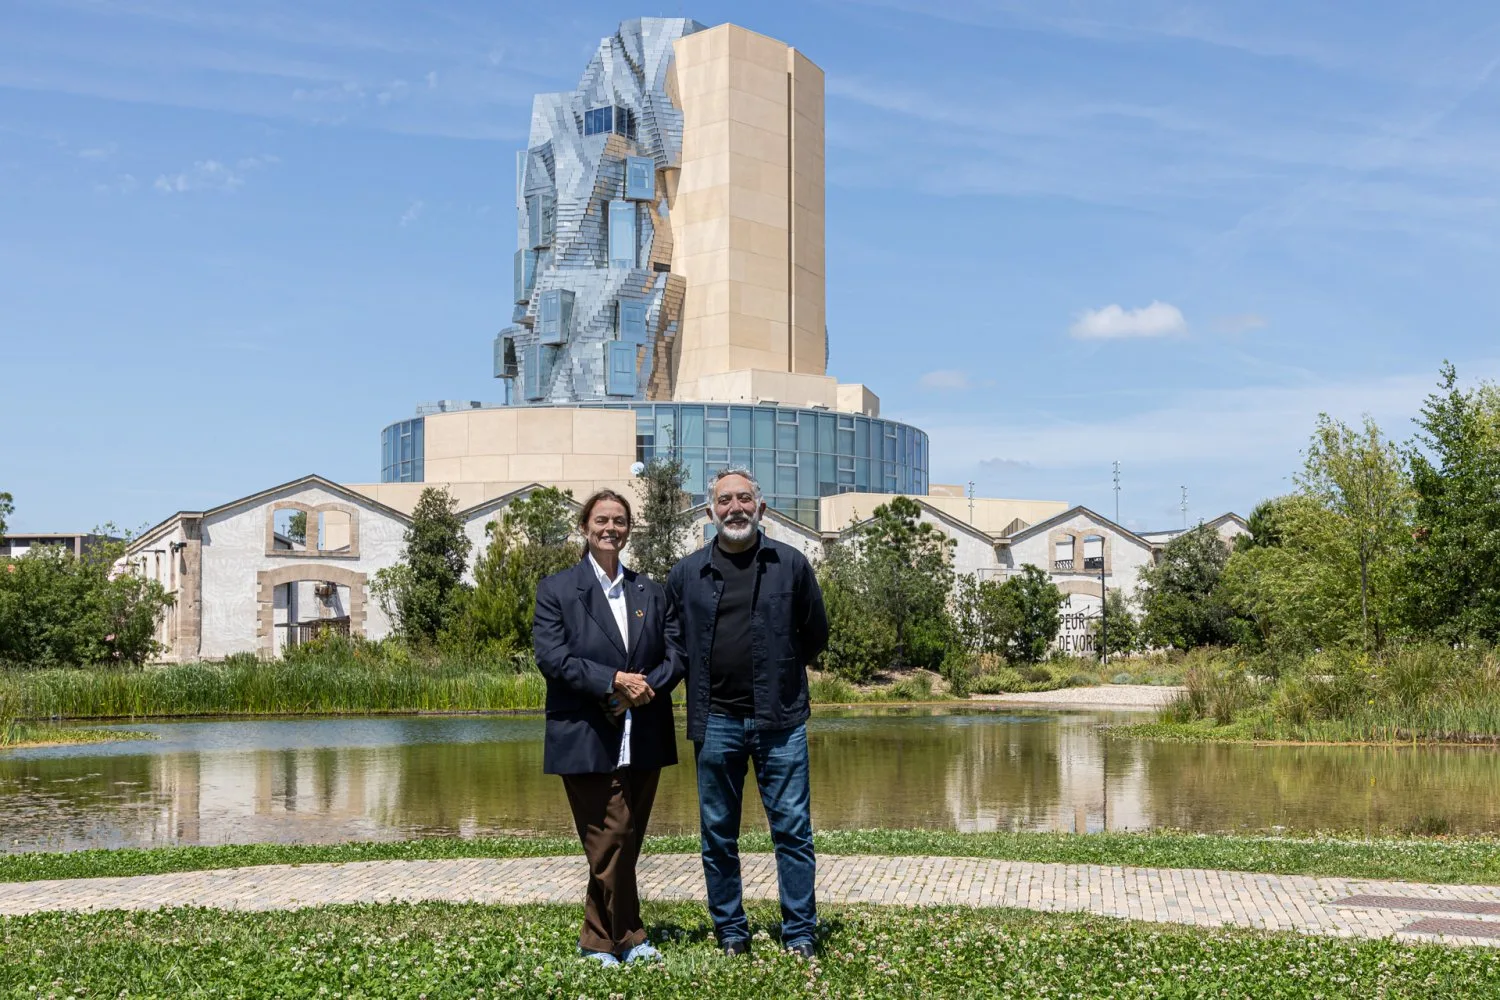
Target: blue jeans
<point>780,758</point>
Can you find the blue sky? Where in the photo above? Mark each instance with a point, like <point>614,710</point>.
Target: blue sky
<point>238,239</point>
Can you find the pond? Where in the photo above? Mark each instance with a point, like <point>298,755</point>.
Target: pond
<point>328,780</point>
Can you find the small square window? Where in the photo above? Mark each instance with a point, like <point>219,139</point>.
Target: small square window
<point>632,321</point>
<point>555,316</point>
<point>621,368</point>
<point>640,178</point>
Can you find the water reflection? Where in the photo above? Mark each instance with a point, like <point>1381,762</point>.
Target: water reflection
<point>331,780</point>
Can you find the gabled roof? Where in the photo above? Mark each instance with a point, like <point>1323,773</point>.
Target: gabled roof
<point>936,512</point>
<point>308,480</point>
<point>495,503</point>
<point>1170,533</point>
<point>1073,512</point>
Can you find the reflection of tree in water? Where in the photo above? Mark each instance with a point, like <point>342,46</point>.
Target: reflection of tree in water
<point>75,801</point>
<point>1368,789</point>
<point>942,772</point>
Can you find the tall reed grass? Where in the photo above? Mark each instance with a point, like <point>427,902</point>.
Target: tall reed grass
<point>1416,693</point>
<point>248,686</point>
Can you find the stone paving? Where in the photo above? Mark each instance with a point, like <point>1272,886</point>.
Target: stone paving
<point>1453,914</point>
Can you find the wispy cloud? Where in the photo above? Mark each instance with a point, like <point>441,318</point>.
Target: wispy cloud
<point>212,175</point>
<point>1159,319</point>
<point>105,152</point>
<point>122,184</point>
<point>1261,426</point>
<point>1242,323</point>
<point>412,214</point>
<point>946,380</point>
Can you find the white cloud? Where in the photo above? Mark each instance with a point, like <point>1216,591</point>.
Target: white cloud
<point>123,184</point>
<point>104,152</point>
<point>946,378</point>
<point>1257,427</point>
<point>1243,323</point>
<point>1159,319</point>
<point>205,175</point>
<point>396,90</point>
<point>412,214</point>
<point>432,80</point>
<point>213,175</point>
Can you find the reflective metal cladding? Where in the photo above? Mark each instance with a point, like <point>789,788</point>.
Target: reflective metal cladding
<point>596,307</point>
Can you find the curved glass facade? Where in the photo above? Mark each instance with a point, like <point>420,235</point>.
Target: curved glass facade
<point>797,454</point>
<point>401,452</point>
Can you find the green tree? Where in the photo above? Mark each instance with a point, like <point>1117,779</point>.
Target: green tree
<point>1297,590</point>
<point>1179,594</point>
<point>1359,478</point>
<point>7,508</point>
<point>296,527</point>
<point>907,564</point>
<point>656,541</point>
<point>529,542</point>
<point>1036,609</point>
<point>1453,571</point>
<point>424,591</point>
<point>861,640</point>
<point>983,615</point>
<point>58,609</point>
<point>1121,634</point>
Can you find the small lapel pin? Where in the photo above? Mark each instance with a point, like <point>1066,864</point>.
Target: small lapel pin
<point>639,613</point>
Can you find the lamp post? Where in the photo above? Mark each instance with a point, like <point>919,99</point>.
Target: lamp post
<point>1103,617</point>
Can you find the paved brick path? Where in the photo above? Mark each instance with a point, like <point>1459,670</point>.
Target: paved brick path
<point>1456,914</point>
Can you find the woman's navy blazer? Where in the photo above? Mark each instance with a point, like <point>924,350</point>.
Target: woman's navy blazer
<point>578,650</point>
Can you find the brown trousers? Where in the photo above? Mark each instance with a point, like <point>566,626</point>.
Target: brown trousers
<point>611,812</point>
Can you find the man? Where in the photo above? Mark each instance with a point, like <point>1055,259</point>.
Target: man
<point>751,618</point>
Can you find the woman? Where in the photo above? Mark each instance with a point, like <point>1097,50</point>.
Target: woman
<point>601,635</point>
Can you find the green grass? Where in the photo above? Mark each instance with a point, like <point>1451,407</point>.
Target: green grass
<point>18,735</point>
<point>1460,860</point>
<point>246,686</point>
<point>433,950</point>
<point>1407,694</point>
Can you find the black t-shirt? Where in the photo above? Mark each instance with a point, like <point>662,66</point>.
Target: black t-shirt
<point>731,663</point>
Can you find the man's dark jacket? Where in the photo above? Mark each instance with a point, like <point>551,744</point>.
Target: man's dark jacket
<point>788,629</point>
<point>578,650</point>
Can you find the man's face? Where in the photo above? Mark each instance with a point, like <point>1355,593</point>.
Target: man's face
<point>736,511</point>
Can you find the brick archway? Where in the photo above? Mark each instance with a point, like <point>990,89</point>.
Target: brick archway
<point>267,580</point>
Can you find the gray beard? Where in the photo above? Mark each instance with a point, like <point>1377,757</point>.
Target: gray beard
<point>739,534</point>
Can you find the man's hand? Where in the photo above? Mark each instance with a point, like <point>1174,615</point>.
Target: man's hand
<point>632,690</point>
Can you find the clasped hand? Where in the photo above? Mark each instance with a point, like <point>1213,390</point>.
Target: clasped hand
<point>631,691</point>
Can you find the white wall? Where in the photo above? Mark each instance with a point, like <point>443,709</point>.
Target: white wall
<point>234,551</point>
<point>1126,556</point>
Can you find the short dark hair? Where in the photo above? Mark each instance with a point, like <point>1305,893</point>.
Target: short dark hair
<point>589,504</point>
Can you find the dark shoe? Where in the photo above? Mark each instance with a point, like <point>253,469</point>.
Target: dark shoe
<point>802,949</point>
<point>735,948</point>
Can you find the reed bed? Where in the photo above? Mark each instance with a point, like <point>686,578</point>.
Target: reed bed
<point>1409,694</point>
<point>245,686</point>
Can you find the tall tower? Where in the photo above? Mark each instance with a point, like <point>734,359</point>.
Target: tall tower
<point>748,207</point>
<point>596,304</point>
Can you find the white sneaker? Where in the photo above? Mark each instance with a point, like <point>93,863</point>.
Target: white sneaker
<point>602,957</point>
<point>642,952</point>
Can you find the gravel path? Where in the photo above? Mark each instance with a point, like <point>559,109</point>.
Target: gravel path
<point>1450,914</point>
<point>1126,697</point>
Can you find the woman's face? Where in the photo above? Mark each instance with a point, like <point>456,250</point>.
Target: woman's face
<point>608,528</point>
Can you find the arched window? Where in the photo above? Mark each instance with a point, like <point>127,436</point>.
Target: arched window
<point>1062,557</point>
<point>1093,552</point>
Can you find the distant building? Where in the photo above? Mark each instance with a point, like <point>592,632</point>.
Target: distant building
<point>669,292</point>
<point>17,544</point>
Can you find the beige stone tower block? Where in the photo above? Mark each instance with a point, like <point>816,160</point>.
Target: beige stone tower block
<point>747,217</point>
